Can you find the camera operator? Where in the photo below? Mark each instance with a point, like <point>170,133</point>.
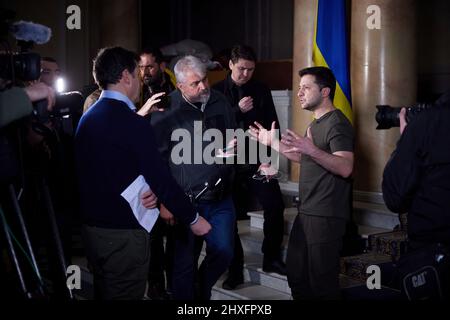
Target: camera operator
<point>417,177</point>
<point>16,102</point>
<point>50,71</point>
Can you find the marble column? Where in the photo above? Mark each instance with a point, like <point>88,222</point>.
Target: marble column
<point>304,15</point>
<point>383,71</point>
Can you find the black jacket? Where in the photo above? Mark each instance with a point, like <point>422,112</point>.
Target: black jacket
<point>165,86</point>
<point>191,176</point>
<point>263,111</point>
<point>417,177</point>
<point>263,108</point>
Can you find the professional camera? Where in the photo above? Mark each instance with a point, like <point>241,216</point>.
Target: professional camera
<point>388,116</point>
<point>38,171</point>
<point>22,66</point>
<point>67,104</point>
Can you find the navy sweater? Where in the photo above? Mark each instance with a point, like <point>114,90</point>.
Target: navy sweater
<point>113,147</point>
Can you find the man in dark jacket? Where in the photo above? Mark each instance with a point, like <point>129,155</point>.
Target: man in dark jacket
<point>417,177</point>
<point>252,101</point>
<point>155,80</point>
<point>194,112</point>
<point>416,180</point>
<point>113,147</point>
<point>155,77</point>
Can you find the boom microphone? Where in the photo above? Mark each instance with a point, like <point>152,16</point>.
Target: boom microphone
<point>29,31</point>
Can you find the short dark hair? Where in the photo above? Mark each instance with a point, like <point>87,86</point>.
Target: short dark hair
<point>110,63</point>
<point>241,51</point>
<point>324,78</point>
<point>155,52</point>
<point>49,59</point>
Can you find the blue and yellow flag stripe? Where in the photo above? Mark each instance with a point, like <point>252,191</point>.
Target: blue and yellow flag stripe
<point>330,49</point>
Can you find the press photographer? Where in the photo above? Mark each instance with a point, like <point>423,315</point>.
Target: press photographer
<point>388,116</point>
<point>416,180</point>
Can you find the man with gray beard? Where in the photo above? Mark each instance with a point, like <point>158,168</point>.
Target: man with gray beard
<point>196,108</point>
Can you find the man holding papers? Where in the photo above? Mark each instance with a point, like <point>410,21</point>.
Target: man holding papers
<point>117,157</point>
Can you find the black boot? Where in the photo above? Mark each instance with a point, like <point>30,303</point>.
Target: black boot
<point>232,281</point>
<point>275,266</point>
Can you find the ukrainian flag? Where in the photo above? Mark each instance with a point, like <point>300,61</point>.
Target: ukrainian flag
<point>330,49</point>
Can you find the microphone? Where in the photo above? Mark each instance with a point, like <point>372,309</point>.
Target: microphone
<point>29,31</point>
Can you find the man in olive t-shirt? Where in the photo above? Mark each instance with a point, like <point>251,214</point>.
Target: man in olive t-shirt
<point>326,157</point>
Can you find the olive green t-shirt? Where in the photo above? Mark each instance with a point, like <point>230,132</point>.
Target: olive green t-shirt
<point>323,193</point>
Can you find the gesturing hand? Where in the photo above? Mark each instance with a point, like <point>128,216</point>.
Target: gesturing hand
<point>264,136</point>
<point>298,144</point>
<point>148,107</point>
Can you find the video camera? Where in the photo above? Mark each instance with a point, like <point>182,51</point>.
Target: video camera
<point>17,68</point>
<point>36,169</point>
<point>67,104</point>
<point>23,65</point>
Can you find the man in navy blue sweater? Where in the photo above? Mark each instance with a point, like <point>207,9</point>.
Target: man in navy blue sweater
<point>114,146</point>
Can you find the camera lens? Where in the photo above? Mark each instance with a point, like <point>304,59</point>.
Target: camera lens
<point>387,117</point>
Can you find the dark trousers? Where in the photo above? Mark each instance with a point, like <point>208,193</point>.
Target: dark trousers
<point>313,257</point>
<point>161,256</point>
<point>269,196</point>
<point>219,251</point>
<point>119,259</point>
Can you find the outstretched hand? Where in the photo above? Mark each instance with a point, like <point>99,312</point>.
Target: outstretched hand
<point>297,143</point>
<point>149,105</point>
<point>262,135</point>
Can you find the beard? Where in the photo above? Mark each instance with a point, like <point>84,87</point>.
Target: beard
<point>312,105</point>
<point>203,97</point>
<point>151,81</point>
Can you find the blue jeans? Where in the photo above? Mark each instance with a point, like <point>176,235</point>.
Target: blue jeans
<point>219,251</point>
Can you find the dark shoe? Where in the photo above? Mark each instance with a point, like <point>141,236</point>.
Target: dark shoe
<point>275,266</point>
<point>232,282</point>
<point>157,293</point>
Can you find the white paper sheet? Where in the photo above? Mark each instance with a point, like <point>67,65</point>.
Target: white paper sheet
<point>145,217</point>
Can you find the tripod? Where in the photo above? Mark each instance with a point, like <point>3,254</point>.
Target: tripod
<point>9,236</point>
<point>16,211</point>
<point>31,284</point>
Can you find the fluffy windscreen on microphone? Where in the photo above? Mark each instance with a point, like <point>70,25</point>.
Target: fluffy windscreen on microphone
<point>29,31</point>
